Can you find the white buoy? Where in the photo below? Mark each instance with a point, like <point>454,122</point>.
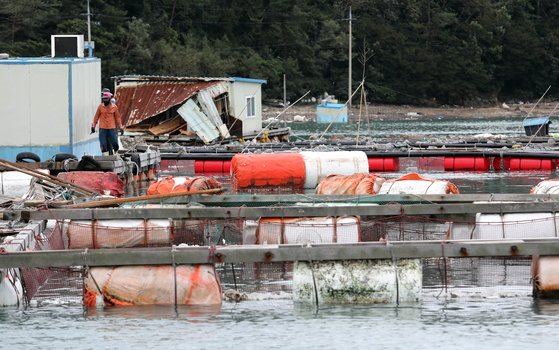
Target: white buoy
<point>358,282</point>
<point>11,289</point>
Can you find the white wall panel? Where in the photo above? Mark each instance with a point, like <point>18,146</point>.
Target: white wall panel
<point>86,96</point>
<point>48,100</point>
<point>238,93</point>
<point>14,105</point>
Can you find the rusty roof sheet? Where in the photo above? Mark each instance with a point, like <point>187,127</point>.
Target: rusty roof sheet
<point>143,100</point>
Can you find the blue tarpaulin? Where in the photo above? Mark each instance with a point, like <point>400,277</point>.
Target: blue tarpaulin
<point>535,121</point>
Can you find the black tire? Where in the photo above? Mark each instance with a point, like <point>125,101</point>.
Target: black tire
<point>60,157</point>
<point>27,157</point>
<point>88,163</point>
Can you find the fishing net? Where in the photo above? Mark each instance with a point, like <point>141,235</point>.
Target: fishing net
<point>485,277</point>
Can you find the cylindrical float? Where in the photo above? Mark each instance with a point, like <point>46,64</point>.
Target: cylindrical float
<point>152,285</point>
<point>11,288</point>
<point>358,282</point>
<point>268,170</point>
<point>119,233</point>
<point>417,184</point>
<point>532,164</point>
<point>182,184</point>
<point>466,163</point>
<point>515,225</point>
<point>212,166</point>
<point>318,165</point>
<point>308,230</point>
<point>545,277</point>
<point>350,184</point>
<point>550,186</point>
<point>384,164</point>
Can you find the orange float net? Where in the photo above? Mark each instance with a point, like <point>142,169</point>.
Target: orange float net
<point>268,170</point>
<point>152,285</point>
<point>172,184</point>
<point>360,183</point>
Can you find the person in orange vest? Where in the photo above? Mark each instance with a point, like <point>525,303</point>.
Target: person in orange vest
<point>109,120</point>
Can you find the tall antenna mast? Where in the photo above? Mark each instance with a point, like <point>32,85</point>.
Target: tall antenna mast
<point>349,60</point>
<point>89,43</point>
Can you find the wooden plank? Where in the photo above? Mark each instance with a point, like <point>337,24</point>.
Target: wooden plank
<point>168,126</point>
<point>433,210</point>
<point>280,253</point>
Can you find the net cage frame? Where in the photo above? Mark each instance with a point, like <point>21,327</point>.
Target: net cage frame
<point>245,278</point>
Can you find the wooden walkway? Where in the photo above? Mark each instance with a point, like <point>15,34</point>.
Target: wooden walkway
<point>281,253</point>
<point>447,207</point>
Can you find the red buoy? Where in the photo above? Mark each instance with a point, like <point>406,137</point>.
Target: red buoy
<point>212,166</point>
<point>384,164</point>
<point>532,164</point>
<point>466,163</point>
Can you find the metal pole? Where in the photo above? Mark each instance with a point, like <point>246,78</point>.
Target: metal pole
<point>349,61</point>
<point>284,93</point>
<point>89,30</point>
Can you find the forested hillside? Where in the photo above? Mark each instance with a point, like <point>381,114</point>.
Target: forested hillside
<point>415,51</point>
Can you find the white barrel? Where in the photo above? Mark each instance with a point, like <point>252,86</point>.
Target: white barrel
<point>358,282</point>
<point>249,231</point>
<point>11,288</point>
<point>545,276</point>
<point>308,230</point>
<point>318,165</point>
<point>546,187</point>
<point>416,184</point>
<point>516,225</point>
<point>119,233</point>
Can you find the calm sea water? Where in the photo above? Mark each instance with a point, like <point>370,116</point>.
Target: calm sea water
<point>487,320</point>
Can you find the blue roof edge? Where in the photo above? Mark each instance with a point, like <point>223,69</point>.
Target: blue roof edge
<point>249,80</point>
<point>47,60</point>
<point>532,121</point>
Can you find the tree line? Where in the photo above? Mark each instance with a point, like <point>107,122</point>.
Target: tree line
<point>427,52</point>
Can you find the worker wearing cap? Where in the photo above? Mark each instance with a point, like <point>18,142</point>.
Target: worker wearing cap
<point>109,120</point>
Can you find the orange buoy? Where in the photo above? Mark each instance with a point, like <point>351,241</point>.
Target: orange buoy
<point>263,170</point>
<point>181,184</point>
<point>152,285</point>
<point>359,183</point>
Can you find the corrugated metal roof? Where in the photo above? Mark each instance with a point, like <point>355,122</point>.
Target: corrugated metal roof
<point>143,100</point>
<point>144,78</point>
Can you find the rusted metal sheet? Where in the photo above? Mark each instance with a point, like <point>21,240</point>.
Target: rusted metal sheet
<point>143,100</point>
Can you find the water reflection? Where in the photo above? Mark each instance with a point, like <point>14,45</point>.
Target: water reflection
<point>546,307</point>
<point>157,312</point>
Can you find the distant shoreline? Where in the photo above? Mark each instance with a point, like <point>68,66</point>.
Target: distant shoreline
<point>381,112</point>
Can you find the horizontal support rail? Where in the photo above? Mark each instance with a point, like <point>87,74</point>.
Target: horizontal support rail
<point>432,210</point>
<point>280,253</point>
<point>271,199</point>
